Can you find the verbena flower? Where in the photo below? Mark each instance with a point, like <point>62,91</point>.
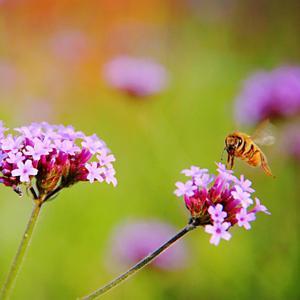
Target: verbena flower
<point>273,94</point>
<point>133,240</point>
<point>136,76</point>
<point>52,157</point>
<point>223,201</point>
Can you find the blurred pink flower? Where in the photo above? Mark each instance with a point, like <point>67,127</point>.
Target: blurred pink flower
<point>8,75</point>
<point>274,94</point>
<point>291,141</point>
<point>134,240</point>
<point>136,76</point>
<point>72,46</point>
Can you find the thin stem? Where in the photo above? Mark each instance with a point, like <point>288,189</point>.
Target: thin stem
<point>142,263</point>
<point>53,193</point>
<point>33,192</point>
<point>17,262</point>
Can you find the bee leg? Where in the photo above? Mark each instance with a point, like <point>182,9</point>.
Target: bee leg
<point>265,165</point>
<point>230,161</point>
<point>222,155</point>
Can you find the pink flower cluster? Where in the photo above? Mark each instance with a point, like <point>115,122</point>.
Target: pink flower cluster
<point>218,202</point>
<point>56,156</point>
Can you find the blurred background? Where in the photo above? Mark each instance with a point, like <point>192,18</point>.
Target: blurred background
<point>158,81</point>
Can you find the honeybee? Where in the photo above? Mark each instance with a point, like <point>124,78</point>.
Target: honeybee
<point>244,146</point>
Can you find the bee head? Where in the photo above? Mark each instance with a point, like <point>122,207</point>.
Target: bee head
<point>232,142</point>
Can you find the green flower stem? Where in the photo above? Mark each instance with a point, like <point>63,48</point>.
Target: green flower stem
<point>142,263</point>
<point>17,262</point>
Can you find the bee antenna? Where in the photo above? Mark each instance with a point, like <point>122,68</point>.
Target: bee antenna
<point>222,155</point>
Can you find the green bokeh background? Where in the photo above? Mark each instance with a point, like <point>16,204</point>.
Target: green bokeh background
<point>208,55</point>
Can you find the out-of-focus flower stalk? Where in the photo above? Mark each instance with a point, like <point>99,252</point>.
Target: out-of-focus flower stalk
<point>141,264</point>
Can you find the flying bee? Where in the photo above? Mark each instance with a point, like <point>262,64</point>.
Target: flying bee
<point>245,147</point>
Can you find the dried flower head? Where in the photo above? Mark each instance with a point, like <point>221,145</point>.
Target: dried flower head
<point>52,157</point>
<point>218,202</point>
<point>274,94</point>
<point>135,76</point>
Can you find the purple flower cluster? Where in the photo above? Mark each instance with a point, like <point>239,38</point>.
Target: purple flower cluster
<point>135,76</point>
<point>134,240</point>
<point>274,94</point>
<point>218,202</point>
<point>55,156</point>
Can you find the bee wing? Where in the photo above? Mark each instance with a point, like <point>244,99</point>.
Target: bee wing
<point>264,133</point>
